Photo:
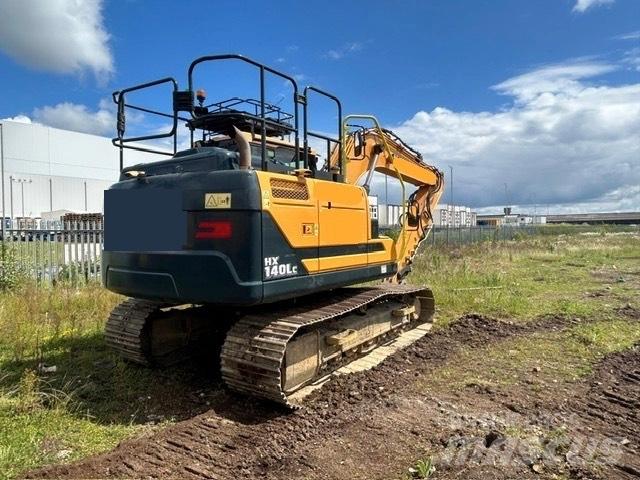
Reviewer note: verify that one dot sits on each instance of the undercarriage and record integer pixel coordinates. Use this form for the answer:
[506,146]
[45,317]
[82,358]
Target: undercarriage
[274,350]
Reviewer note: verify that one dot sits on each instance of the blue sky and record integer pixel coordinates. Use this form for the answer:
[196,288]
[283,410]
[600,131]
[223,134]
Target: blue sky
[454,77]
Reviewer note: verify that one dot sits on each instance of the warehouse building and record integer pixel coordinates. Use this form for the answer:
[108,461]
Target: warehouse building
[512,220]
[454,216]
[443,216]
[47,170]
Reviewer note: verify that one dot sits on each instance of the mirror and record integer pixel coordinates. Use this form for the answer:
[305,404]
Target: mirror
[359,143]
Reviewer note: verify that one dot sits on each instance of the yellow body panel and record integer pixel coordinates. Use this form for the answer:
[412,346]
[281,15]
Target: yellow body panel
[343,213]
[333,214]
[291,214]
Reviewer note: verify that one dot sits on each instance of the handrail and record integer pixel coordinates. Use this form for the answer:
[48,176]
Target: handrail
[119,141]
[263,68]
[338,141]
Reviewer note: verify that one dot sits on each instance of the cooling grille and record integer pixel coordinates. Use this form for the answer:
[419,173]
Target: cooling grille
[289,189]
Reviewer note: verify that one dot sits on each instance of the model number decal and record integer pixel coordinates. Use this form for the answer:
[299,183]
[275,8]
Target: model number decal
[274,269]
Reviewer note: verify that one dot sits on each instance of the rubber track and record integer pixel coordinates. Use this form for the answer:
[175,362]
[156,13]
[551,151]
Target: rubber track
[253,352]
[125,329]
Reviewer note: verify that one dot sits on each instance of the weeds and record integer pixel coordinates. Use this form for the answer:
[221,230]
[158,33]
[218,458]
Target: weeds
[556,356]
[12,271]
[32,316]
[422,469]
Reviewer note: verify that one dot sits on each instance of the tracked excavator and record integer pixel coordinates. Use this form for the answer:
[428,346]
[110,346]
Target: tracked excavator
[246,228]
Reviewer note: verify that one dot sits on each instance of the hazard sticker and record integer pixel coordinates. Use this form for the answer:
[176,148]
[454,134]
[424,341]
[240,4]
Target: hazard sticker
[266,201]
[217,200]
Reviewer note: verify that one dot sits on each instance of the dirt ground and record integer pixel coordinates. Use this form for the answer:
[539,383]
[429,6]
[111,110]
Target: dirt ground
[376,424]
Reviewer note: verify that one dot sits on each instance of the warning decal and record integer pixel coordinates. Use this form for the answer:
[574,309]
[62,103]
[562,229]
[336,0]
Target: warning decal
[217,200]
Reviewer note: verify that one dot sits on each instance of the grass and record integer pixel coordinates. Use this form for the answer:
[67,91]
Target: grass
[94,400]
[579,275]
[40,421]
[38,425]
[555,356]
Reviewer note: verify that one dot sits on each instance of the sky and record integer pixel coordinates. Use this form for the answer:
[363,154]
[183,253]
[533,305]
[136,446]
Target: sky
[530,103]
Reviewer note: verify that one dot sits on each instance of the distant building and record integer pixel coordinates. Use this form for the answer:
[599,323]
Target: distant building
[454,216]
[512,219]
[619,218]
[47,169]
[490,220]
[389,215]
[443,215]
[373,206]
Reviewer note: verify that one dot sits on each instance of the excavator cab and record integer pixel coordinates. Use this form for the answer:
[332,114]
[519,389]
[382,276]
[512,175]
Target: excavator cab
[243,216]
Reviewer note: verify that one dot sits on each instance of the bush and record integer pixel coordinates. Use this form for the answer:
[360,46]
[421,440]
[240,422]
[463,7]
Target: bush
[12,272]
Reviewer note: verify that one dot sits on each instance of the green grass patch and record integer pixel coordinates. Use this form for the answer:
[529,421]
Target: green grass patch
[40,424]
[40,420]
[93,399]
[554,356]
[578,275]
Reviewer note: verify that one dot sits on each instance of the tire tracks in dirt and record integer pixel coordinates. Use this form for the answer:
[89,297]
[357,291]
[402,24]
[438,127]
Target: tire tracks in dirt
[366,425]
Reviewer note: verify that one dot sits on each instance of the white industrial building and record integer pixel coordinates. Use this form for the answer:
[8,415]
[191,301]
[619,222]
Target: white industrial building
[454,216]
[46,170]
[443,216]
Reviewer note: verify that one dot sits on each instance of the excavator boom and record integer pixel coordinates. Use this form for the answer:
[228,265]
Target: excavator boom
[371,150]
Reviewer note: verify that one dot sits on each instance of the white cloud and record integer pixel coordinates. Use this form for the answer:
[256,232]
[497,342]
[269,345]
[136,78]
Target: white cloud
[561,141]
[18,119]
[344,50]
[61,36]
[552,78]
[72,116]
[622,199]
[632,58]
[582,6]
[628,36]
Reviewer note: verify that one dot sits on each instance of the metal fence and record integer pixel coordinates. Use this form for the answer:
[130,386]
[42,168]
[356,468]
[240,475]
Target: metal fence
[442,236]
[474,234]
[72,252]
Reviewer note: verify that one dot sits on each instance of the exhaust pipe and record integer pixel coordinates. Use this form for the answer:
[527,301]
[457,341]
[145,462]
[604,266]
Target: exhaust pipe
[244,149]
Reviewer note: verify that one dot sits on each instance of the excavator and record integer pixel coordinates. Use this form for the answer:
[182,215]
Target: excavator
[245,227]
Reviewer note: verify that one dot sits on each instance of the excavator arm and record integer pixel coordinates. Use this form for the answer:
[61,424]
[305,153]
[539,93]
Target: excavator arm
[370,150]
